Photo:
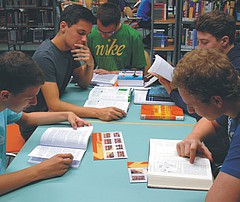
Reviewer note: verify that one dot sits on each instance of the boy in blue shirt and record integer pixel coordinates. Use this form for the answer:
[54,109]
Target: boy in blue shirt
[20,81]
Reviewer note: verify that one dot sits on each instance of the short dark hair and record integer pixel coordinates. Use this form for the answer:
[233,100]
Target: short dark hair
[204,73]
[108,14]
[218,24]
[73,13]
[18,72]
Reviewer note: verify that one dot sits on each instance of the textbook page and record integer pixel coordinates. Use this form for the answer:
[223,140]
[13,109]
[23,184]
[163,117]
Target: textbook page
[110,93]
[161,67]
[167,169]
[58,140]
[107,103]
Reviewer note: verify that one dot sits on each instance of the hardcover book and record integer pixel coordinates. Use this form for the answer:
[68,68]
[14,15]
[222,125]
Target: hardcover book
[58,140]
[130,78]
[168,170]
[161,112]
[158,93]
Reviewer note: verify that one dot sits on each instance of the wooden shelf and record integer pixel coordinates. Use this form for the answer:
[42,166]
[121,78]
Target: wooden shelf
[167,48]
[168,21]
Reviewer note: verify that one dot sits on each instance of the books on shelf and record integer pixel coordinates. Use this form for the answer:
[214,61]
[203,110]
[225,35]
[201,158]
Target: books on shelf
[104,79]
[59,140]
[161,112]
[130,78]
[108,145]
[168,170]
[161,67]
[137,171]
[100,97]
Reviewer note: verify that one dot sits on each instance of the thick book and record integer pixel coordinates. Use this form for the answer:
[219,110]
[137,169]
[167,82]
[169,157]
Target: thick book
[58,140]
[161,112]
[168,170]
[130,78]
[140,97]
[101,97]
[161,67]
[108,145]
[104,79]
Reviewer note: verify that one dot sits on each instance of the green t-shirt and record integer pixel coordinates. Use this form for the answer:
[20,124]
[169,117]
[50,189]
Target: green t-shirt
[123,50]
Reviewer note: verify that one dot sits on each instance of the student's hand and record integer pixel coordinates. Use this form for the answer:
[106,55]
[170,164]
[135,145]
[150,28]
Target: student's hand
[191,147]
[53,167]
[83,53]
[110,113]
[166,84]
[101,71]
[75,121]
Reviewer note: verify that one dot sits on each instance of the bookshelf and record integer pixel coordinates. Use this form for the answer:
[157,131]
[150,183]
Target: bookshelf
[26,23]
[192,9]
[164,29]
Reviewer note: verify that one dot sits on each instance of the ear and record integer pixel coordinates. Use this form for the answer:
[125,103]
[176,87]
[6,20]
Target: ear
[4,95]
[217,101]
[225,40]
[63,26]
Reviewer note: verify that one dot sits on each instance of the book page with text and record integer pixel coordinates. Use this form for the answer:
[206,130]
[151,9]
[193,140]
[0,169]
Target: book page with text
[161,67]
[163,159]
[110,93]
[67,137]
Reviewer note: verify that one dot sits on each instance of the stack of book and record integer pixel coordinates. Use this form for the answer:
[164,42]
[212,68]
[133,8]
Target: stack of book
[130,78]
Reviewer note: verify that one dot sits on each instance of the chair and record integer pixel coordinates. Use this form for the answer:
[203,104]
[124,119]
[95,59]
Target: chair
[14,140]
[133,20]
[147,61]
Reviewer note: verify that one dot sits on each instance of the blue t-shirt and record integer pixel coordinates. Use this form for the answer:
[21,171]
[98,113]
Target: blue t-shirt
[144,10]
[6,117]
[231,165]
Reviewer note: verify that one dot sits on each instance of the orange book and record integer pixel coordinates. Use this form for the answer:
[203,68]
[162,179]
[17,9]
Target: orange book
[161,112]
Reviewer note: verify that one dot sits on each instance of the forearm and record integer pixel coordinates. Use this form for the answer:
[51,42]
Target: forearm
[84,76]
[202,130]
[12,181]
[61,106]
[41,118]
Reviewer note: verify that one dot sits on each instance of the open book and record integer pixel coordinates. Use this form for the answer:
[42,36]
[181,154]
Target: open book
[168,170]
[100,97]
[161,67]
[104,79]
[59,140]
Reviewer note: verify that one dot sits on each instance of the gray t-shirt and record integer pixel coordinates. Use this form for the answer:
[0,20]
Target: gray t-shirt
[58,67]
